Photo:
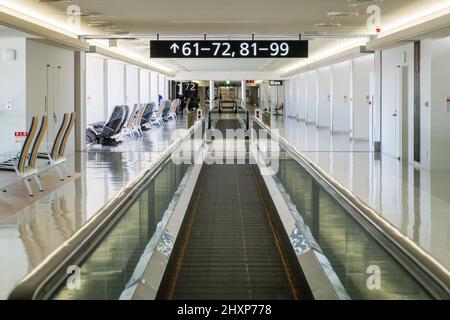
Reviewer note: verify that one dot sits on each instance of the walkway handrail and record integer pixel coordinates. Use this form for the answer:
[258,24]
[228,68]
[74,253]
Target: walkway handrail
[41,282]
[423,264]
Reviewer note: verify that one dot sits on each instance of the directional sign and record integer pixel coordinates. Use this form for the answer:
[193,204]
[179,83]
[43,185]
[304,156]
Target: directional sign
[190,88]
[229,49]
[275,83]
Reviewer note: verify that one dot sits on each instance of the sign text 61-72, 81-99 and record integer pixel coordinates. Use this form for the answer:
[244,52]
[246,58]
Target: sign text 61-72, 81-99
[229,49]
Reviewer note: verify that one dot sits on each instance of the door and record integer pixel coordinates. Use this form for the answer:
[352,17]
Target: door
[372,117]
[52,102]
[400,114]
[50,105]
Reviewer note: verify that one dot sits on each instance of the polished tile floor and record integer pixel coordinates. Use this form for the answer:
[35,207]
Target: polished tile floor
[28,236]
[416,201]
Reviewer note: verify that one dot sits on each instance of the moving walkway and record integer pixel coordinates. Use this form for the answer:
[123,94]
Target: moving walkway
[228,231]
[229,247]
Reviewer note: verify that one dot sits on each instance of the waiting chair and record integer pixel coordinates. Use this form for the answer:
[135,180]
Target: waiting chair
[106,133]
[146,117]
[157,117]
[138,122]
[56,156]
[173,112]
[129,130]
[25,170]
[126,114]
[166,110]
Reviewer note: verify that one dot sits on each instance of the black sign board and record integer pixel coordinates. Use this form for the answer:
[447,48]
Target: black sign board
[275,83]
[190,88]
[229,49]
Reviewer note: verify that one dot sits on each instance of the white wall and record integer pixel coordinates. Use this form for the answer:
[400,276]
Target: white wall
[312,97]
[115,84]
[360,107]
[95,102]
[298,95]
[161,86]
[154,87]
[274,97]
[280,94]
[392,58]
[425,98]
[302,105]
[12,87]
[132,85]
[435,90]
[144,82]
[288,98]
[324,97]
[294,94]
[340,97]
[166,87]
[60,86]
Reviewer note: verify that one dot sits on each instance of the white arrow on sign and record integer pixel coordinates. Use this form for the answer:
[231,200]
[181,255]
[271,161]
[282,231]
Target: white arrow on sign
[174,48]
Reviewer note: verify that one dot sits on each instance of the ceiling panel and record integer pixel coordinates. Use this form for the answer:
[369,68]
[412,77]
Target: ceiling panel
[232,17]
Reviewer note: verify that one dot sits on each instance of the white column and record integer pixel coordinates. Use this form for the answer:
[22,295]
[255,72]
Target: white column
[181,88]
[244,93]
[211,94]
[80,100]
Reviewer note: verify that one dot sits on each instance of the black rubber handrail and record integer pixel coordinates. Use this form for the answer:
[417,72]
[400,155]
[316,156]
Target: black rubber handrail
[421,265]
[47,276]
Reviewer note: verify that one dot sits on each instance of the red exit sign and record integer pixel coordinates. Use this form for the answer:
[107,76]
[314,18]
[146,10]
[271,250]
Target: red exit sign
[20,134]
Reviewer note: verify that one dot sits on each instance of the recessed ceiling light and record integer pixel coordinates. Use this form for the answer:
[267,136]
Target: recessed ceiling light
[343,14]
[355,3]
[55,0]
[328,25]
[75,11]
[362,1]
[90,14]
[118,32]
[100,24]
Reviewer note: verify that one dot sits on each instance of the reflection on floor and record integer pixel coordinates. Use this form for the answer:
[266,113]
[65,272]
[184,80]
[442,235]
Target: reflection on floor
[416,201]
[28,236]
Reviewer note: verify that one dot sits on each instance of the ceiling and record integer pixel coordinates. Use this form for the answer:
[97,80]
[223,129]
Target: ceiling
[181,18]
[6,32]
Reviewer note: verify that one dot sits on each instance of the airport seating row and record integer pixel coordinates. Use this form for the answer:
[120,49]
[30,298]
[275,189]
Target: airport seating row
[124,124]
[24,163]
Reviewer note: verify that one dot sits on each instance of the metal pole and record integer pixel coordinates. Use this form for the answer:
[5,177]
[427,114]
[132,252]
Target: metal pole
[211,94]
[181,88]
[247,122]
[209,120]
[244,93]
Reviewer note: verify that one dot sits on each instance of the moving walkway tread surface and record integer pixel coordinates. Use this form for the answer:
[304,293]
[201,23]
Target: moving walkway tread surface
[228,248]
[227,124]
[228,107]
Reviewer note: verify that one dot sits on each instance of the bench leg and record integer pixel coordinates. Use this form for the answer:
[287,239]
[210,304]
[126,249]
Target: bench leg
[27,184]
[61,177]
[38,181]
